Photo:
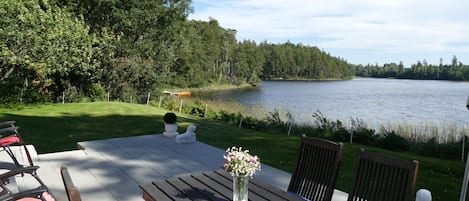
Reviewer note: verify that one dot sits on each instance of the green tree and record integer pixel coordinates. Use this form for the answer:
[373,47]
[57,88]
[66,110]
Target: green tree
[151,34]
[248,62]
[47,47]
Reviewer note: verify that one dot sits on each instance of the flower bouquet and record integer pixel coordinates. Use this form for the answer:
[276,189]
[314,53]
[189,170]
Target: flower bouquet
[241,165]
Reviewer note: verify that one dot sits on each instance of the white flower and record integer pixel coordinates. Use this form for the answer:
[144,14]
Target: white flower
[239,162]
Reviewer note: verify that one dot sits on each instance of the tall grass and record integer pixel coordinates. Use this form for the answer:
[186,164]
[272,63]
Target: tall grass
[444,141]
[444,133]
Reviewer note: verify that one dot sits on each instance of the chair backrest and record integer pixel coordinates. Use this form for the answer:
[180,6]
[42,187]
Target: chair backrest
[379,177]
[316,169]
[72,192]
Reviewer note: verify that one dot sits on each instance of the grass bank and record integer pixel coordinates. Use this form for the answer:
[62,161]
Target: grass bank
[70,123]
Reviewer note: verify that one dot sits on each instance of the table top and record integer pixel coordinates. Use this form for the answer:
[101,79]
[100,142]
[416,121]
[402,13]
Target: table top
[215,185]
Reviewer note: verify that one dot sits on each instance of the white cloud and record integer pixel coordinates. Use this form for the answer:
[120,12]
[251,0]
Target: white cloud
[392,27]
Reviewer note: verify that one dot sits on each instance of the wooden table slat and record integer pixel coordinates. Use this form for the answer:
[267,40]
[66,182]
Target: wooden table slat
[221,189]
[214,186]
[152,191]
[225,181]
[261,192]
[228,180]
[214,195]
[187,190]
[170,190]
[265,186]
[268,192]
[274,190]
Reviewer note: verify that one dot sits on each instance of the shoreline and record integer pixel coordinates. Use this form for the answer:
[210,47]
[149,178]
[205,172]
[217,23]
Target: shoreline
[214,88]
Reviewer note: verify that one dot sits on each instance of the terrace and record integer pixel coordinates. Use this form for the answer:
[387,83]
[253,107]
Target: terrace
[112,169]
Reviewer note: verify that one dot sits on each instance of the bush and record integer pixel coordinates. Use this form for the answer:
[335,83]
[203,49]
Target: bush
[197,109]
[170,104]
[72,94]
[273,118]
[341,134]
[10,90]
[170,118]
[96,92]
[333,130]
[448,150]
[392,141]
[365,136]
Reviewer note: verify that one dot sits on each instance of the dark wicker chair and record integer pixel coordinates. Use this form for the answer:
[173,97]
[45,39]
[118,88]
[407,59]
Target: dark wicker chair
[379,177]
[316,169]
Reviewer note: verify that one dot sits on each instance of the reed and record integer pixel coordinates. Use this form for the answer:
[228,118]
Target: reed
[442,140]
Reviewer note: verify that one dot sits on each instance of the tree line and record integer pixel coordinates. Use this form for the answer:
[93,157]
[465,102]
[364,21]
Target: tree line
[84,49]
[421,70]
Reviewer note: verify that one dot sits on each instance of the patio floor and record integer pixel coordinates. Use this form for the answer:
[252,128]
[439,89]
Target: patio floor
[111,169]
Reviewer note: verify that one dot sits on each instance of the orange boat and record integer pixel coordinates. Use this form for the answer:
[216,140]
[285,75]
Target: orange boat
[183,93]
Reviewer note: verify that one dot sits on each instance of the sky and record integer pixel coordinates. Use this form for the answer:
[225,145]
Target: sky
[359,31]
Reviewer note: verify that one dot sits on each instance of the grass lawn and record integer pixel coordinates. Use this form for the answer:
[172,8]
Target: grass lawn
[58,127]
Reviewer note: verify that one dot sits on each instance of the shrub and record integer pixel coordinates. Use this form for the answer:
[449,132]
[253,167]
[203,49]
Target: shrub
[170,118]
[96,92]
[334,130]
[273,118]
[170,104]
[197,109]
[392,141]
[448,150]
[341,134]
[10,89]
[366,137]
[72,94]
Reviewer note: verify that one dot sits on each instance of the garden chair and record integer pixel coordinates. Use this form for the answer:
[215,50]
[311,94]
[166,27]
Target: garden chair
[7,126]
[39,192]
[10,136]
[316,169]
[379,177]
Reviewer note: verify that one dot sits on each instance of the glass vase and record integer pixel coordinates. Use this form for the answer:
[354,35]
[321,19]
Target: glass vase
[240,188]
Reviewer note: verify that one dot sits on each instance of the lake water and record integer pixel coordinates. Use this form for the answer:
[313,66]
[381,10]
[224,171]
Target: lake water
[376,101]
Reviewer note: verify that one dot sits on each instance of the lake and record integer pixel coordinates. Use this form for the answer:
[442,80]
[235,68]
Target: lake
[376,101]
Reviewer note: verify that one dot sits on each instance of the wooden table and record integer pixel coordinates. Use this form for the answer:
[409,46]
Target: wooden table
[215,185]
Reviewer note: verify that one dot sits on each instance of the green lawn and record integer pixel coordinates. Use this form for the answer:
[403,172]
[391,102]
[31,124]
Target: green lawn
[57,127]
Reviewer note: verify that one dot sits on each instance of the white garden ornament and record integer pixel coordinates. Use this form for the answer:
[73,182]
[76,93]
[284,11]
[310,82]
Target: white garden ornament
[188,136]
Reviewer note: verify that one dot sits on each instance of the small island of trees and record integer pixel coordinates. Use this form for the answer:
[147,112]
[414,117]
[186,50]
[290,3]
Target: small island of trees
[421,70]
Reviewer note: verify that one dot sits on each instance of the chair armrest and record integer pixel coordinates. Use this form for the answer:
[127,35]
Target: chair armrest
[39,192]
[7,123]
[22,170]
[9,129]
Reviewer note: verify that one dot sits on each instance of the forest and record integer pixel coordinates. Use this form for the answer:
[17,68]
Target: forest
[86,49]
[456,71]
